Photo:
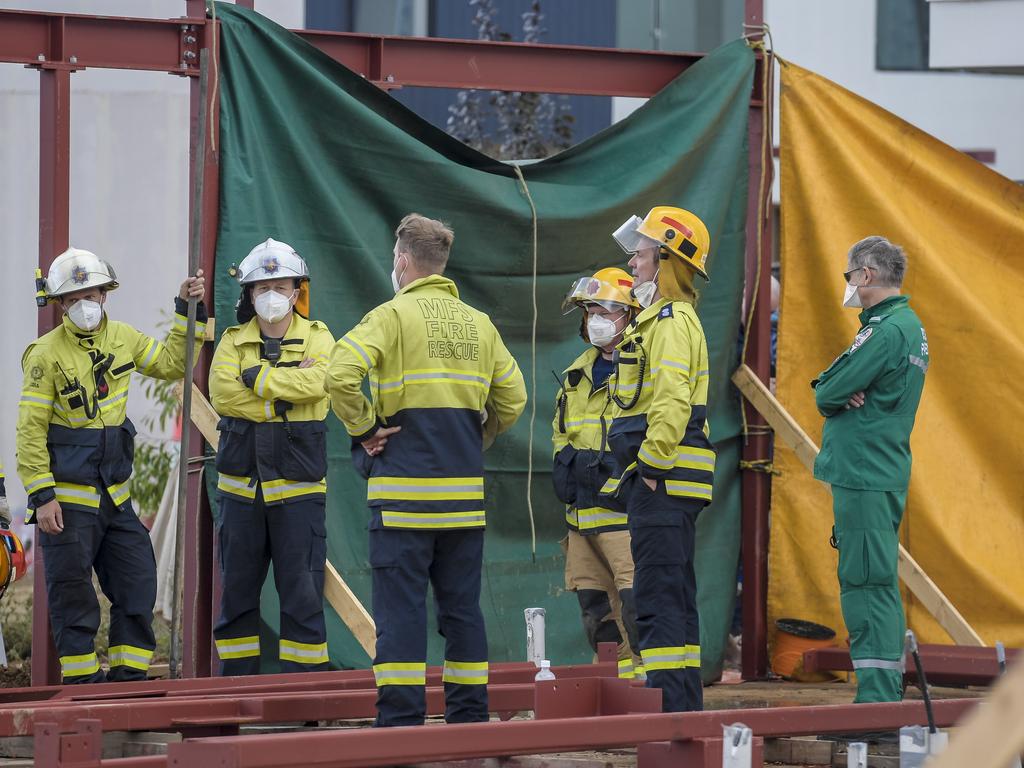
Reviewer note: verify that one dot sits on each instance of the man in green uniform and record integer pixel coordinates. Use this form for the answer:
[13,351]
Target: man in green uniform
[869,397]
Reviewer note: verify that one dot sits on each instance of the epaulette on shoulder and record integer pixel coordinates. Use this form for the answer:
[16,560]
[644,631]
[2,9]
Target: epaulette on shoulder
[666,311]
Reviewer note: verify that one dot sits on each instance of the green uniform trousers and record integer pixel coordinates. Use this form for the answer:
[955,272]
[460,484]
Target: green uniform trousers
[867,536]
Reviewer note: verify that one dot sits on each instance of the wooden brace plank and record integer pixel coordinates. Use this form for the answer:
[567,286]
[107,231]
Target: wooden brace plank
[350,610]
[912,574]
[337,592]
[990,736]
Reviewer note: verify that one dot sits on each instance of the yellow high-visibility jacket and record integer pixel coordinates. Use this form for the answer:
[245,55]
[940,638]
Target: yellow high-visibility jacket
[660,393]
[437,369]
[5,513]
[272,427]
[74,440]
[582,460]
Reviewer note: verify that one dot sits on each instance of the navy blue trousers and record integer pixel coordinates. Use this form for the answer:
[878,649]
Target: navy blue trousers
[250,536]
[116,544]
[403,563]
[663,531]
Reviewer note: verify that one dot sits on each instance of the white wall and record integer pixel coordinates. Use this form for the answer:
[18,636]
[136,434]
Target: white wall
[836,39]
[129,199]
[976,33]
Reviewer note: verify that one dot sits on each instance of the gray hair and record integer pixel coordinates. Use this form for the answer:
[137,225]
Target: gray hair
[888,259]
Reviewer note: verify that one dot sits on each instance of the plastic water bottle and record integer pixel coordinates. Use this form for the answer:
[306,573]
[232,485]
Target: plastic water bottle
[544,673]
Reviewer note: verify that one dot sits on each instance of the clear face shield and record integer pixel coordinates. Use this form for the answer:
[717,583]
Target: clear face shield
[630,239]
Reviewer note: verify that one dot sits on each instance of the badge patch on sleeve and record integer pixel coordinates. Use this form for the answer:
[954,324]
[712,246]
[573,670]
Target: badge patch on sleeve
[860,338]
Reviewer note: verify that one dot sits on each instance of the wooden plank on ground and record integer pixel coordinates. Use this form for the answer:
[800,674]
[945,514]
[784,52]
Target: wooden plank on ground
[912,574]
[337,592]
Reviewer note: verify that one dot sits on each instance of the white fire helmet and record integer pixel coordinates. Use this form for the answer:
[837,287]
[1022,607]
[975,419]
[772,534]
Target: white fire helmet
[271,260]
[76,270]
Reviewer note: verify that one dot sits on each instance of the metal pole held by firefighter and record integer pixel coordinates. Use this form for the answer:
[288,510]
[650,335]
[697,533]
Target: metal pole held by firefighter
[195,240]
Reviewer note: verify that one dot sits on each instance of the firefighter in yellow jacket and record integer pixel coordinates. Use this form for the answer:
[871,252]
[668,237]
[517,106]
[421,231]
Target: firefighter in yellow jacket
[5,510]
[443,384]
[75,451]
[598,562]
[659,436]
[266,382]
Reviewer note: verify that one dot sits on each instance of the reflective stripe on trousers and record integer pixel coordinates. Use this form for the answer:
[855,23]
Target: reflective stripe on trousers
[130,656]
[465,672]
[76,666]
[400,673]
[879,664]
[674,657]
[303,653]
[238,647]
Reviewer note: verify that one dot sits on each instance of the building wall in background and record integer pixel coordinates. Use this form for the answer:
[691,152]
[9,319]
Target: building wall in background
[964,109]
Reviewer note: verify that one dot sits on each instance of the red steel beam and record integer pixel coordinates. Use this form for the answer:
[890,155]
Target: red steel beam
[500,673]
[112,42]
[366,747]
[756,486]
[54,225]
[443,63]
[187,714]
[943,664]
[171,45]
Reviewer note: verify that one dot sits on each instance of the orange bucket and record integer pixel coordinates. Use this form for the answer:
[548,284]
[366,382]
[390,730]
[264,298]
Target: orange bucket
[792,638]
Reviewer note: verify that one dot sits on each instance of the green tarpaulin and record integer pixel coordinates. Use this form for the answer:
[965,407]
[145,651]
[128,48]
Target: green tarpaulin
[312,154]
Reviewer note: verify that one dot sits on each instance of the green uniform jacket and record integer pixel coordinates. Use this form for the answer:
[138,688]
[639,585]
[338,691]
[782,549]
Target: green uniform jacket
[868,448]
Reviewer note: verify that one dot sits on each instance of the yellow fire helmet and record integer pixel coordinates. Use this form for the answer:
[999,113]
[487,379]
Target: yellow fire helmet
[12,558]
[610,287]
[76,270]
[678,231]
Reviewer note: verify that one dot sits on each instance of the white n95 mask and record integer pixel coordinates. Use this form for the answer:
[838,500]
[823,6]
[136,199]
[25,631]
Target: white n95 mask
[644,292]
[272,306]
[86,314]
[601,330]
[851,298]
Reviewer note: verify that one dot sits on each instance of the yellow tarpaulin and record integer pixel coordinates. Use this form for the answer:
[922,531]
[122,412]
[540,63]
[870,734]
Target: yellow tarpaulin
[850,169]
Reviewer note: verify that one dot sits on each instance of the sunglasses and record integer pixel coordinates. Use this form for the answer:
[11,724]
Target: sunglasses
[846,275]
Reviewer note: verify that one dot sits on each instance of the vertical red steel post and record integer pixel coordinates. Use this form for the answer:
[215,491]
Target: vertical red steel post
[756,486]
[54,237]
[200,576]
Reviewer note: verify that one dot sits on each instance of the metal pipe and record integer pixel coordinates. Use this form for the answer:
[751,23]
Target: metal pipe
[922,681]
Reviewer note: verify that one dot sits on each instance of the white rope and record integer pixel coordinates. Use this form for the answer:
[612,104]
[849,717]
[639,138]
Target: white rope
[533,367]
